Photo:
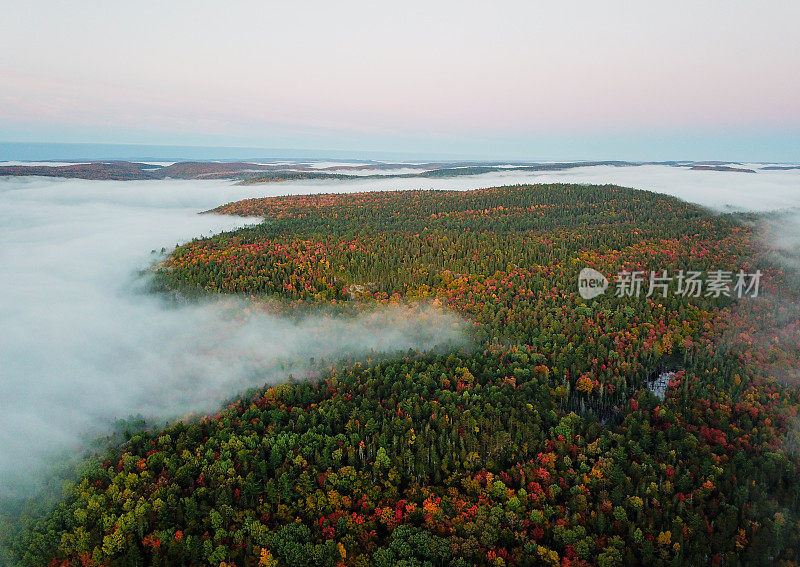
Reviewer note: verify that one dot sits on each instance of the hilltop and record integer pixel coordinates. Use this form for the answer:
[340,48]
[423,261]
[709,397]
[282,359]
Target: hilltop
[553,439]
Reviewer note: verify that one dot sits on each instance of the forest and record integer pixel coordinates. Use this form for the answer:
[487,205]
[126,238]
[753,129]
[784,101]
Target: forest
[542,442]
[248,173]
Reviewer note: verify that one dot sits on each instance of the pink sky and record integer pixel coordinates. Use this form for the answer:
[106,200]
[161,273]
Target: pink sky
[277,74]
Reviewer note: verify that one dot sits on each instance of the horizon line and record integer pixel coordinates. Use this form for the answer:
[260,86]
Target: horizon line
[32,151]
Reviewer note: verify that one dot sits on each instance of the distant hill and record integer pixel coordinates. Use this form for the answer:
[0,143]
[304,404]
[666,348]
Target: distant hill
[249,173]
[721,168]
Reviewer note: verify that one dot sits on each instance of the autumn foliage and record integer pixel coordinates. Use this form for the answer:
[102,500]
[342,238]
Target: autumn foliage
[539,445]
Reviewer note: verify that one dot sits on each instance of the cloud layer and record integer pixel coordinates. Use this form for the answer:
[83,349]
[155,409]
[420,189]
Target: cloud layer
[81,344]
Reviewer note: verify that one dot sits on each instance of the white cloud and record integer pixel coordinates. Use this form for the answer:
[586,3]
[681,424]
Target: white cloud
[81,344]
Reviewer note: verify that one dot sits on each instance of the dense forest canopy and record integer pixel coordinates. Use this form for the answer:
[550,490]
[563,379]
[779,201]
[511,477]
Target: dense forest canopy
[540,444]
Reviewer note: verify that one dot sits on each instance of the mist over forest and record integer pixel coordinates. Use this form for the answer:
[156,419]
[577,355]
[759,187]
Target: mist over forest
[86,341]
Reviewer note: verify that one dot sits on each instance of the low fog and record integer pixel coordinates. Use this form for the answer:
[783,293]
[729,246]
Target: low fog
[82,344]
[721,191]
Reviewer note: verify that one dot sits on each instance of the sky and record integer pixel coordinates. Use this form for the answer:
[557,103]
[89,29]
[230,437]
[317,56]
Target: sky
[514,80]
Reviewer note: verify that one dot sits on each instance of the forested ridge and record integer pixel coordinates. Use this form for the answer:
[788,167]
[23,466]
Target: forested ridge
[248,173]
[539,444]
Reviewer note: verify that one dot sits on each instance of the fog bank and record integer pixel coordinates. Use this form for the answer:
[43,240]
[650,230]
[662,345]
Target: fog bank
[82,344]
